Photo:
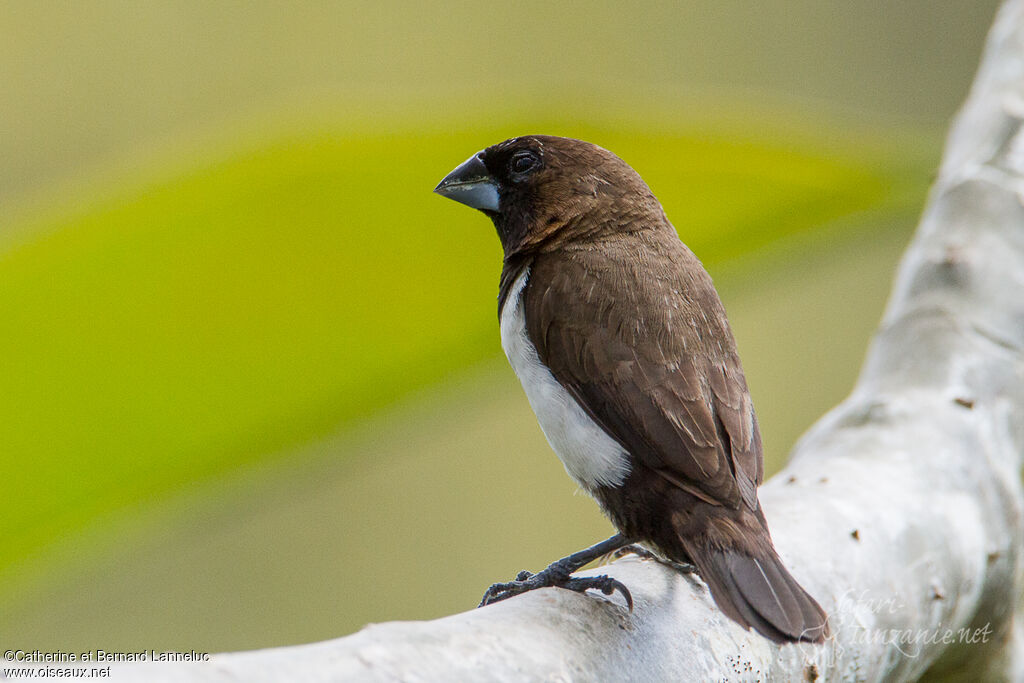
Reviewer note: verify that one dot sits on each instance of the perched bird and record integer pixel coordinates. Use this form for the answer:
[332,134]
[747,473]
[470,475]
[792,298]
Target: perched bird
[623,349]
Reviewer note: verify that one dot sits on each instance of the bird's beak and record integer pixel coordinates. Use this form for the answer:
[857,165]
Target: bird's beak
[471,184]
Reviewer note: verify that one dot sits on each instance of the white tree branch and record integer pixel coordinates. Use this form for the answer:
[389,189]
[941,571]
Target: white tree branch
[901,510]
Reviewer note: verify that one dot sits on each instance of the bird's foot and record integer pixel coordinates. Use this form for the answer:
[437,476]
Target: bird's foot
[645,554]
[557,574]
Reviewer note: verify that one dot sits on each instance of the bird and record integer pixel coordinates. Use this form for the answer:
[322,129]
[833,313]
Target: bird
[622,346]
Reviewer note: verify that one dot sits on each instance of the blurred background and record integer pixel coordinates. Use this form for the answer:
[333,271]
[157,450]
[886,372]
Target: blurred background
[252,391]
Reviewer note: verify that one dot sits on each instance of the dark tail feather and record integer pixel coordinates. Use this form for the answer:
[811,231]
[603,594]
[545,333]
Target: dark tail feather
[759,592]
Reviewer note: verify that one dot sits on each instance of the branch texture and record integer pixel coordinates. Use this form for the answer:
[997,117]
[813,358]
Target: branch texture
[901,510]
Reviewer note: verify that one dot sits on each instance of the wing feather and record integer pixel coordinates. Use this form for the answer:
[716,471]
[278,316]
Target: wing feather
[644,347]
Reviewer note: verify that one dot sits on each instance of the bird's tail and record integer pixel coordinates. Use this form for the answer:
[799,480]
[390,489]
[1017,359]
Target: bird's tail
[756,590]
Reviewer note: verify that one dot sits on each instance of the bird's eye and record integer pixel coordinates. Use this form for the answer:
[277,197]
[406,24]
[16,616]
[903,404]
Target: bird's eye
[523,163]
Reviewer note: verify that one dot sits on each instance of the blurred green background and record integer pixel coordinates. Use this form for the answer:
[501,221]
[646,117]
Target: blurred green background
[252,391]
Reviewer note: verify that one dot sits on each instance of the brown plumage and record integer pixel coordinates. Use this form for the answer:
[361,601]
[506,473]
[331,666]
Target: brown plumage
[628,322]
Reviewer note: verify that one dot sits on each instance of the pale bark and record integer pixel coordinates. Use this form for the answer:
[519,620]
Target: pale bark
[901,510]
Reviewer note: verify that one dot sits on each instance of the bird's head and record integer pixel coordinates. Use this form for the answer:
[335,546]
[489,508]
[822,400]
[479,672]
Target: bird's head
[542,190]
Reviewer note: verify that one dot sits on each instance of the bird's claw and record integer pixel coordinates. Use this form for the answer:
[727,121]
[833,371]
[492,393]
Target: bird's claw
[603,583]
[503,591]
[645,554]
[557,577]
[634,549]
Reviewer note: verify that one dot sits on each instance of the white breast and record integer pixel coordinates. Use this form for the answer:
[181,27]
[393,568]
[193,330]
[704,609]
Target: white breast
[590,456]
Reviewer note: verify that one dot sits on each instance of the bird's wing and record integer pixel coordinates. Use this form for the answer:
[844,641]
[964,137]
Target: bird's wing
[667,384]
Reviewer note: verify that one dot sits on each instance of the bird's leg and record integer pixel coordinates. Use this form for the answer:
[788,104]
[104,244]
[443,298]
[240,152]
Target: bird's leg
[559,573]
[645,554]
